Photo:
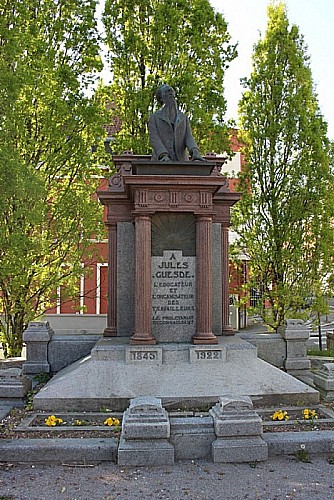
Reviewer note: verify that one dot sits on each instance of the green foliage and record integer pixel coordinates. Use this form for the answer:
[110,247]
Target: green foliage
[303,455]
[180,42]
[285,215]
[317,352]
[42,377]
[48,58]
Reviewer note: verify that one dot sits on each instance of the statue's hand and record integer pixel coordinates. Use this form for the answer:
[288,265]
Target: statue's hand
[195,155]
[164,157]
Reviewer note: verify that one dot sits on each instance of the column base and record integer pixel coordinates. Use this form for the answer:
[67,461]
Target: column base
[204,338]
[142,339]
[110,331]
[227,331]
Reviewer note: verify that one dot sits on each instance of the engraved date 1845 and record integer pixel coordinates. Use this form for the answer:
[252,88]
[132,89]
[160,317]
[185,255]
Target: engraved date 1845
[143,355]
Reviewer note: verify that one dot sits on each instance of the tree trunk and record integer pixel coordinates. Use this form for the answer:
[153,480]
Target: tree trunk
[12,336]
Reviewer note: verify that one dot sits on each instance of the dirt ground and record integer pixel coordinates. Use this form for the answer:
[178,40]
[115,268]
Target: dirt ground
[277,479]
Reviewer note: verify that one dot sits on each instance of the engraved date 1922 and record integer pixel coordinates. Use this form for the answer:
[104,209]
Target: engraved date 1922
[208,354]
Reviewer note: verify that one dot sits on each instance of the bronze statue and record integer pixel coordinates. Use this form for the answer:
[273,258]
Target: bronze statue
[170,131]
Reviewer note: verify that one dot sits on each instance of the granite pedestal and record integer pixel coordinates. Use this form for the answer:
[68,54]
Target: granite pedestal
[181,375]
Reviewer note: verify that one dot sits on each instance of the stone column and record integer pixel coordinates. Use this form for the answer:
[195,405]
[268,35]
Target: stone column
[111,330]
[204,333]
[143,276]
[330,342]
[14,383]
[37,337]
[145,434]
[296,334]
[226,326]
[324,381]
[239,431]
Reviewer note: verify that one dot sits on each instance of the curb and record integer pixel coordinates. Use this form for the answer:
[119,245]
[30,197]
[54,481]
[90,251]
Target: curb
[82,451]
[289,443]
[86,451]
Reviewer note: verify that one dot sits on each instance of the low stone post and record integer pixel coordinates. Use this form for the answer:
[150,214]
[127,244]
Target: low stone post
[145,434]
[330,342]
[324,381]
[36,337]
[13,383]
[239,431]
[297,364]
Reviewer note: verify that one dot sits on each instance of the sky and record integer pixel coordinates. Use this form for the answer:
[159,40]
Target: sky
[247,21]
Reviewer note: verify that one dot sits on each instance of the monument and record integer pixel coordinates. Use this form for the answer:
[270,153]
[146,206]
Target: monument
[168,334]
[181,214]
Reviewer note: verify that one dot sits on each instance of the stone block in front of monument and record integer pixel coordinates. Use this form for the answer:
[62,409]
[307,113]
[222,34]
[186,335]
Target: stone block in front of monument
[173,296]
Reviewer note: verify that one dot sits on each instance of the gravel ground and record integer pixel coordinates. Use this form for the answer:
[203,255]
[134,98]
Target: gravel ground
[276,479]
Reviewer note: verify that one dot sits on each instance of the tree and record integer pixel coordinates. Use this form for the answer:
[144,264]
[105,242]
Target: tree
[180,42]
[286,210]
[48,56]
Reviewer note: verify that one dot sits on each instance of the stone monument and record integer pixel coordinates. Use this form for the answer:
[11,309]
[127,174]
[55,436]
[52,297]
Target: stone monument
[168,334]
[161,224]
[161,268]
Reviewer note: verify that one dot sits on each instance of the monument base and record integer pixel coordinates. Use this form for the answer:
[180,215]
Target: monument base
[183,375]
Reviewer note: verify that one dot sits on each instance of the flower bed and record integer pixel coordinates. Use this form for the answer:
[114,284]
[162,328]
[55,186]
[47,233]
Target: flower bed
[30,425]
[27,424]
[73,420]
[296,418]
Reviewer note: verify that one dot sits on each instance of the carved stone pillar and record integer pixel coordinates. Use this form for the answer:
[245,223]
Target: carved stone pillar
[204,333]
[111,330]
[226,326]
[143,296]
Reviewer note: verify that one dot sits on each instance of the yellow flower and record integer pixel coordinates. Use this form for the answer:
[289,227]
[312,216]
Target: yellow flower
[309,414]
[280,415]
[49,422]
[109,421]
[52,421]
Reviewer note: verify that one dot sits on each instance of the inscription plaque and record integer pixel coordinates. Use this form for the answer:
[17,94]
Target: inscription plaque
[143,355]
[206,354]
[173,296]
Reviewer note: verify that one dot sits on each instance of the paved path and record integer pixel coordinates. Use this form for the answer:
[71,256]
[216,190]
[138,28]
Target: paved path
[278,479]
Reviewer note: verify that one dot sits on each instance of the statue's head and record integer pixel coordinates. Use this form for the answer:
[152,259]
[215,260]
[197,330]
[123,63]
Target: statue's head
[163,93]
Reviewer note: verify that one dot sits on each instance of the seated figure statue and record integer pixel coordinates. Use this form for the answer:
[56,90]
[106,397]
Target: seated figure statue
[170,131]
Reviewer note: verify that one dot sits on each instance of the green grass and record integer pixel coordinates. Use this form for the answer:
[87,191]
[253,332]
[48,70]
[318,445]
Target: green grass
[317,352]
